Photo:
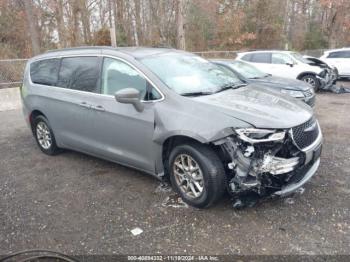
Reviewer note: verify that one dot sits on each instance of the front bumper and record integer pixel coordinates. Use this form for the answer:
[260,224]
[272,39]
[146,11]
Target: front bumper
[274,168]
[289,189]
[328,80]
[311,160]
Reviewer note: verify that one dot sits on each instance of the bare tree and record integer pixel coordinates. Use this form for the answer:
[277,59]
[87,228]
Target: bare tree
[132,12]
[85,20]
[32,27]
[29,26]
[180,25]
[61,30]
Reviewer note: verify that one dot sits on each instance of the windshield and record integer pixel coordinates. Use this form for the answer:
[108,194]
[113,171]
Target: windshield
[190,74]
[246,70]
[300,58]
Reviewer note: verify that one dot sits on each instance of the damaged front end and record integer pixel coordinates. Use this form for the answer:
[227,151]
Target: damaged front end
[267,161]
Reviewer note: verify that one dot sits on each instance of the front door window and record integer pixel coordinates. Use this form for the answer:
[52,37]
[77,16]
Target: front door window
[117,75]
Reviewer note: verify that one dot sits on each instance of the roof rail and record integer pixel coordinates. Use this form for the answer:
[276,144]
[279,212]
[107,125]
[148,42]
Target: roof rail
[162,46]
[275,50]
[81,48]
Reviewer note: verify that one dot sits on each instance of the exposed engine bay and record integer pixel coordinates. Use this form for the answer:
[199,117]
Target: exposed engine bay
[262,161]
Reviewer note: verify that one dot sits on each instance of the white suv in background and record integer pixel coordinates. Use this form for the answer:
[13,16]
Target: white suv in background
[339,58]
[286,64]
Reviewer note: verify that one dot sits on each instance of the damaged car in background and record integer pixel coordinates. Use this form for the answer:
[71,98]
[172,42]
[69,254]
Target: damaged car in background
[332,71]
[287,64]
[174,115]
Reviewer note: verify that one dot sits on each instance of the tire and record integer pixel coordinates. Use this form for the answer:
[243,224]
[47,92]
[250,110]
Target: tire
[311,80]
[42,132]
[209,166]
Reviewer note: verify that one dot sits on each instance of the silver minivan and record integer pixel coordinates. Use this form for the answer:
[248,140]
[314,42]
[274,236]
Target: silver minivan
[174,115]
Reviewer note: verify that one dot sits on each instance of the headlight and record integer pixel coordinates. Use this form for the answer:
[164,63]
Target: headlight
[254,135]
[293,93]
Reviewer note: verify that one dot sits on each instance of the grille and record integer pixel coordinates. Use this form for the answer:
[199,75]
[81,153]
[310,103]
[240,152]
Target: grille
[302,136]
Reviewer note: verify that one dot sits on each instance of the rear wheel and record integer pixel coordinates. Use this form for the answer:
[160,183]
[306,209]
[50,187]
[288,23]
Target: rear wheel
[311,80]
[197,174]
[44,136]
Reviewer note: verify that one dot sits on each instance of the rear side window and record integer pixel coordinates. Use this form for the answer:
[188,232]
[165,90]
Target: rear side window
[80,73]
[45,72]
[261,58]
[339,54]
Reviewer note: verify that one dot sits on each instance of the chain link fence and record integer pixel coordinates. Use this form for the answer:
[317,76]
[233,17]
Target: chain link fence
[233,54]
[314,52]
[218,54]
[11,72]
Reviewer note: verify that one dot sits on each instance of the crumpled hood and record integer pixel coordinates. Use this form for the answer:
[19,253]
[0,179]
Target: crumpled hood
[259,107]
[281,83]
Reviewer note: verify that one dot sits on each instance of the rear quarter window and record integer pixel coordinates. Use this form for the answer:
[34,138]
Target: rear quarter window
[80,73]
[45,72]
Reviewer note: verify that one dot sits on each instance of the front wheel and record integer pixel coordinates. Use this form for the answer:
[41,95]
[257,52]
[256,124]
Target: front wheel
[311,80]
[197,174]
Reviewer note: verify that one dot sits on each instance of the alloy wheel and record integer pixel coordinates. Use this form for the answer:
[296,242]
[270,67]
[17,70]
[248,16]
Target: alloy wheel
[43,135]
[310,81]
[188,176]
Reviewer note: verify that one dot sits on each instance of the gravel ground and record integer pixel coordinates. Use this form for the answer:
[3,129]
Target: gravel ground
[78,204]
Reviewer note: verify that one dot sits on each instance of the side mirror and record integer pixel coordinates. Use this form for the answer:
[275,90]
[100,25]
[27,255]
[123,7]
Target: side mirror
[130,96]
[290,64]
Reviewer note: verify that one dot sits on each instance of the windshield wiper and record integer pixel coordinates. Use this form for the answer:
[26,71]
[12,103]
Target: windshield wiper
[230,86]
[256,77]
[225,87]
[196,93]
[259,77]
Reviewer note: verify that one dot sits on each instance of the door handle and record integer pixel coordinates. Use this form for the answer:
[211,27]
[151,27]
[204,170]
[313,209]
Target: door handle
[98,108]
[84,104]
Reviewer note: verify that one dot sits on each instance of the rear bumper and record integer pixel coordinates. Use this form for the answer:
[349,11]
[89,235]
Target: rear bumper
[26,114]
[290,188]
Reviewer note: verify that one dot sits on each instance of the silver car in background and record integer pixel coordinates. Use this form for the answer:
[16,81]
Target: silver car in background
[174,115]
[250,74]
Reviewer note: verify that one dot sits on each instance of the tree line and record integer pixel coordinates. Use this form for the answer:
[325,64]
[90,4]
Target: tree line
[28,27]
